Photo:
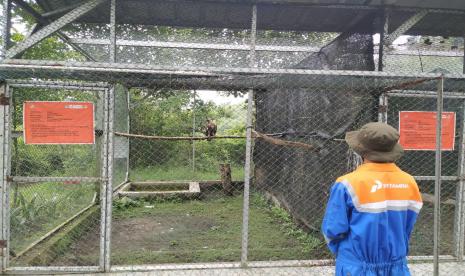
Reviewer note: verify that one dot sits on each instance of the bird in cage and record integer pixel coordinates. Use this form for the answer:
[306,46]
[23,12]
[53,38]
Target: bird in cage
[210,129]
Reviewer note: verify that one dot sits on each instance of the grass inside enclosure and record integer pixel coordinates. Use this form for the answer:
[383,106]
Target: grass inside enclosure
[38,208]
[161,173]
[207,230]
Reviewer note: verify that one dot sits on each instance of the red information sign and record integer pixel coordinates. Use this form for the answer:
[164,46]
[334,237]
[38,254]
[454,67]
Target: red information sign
[58,123]
[418,130]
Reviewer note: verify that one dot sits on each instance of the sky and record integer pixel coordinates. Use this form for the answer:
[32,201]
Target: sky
[214,96]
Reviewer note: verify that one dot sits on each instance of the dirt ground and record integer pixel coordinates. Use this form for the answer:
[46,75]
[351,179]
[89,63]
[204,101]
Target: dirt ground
[183,232]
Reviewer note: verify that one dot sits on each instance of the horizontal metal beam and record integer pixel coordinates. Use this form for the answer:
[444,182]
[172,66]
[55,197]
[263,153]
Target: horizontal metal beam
[185,45]
[424,94]
[65,87]
[246,47]
[37,179]
[58,84]
[193,70]
[52,28]
[432,178]
[27,270]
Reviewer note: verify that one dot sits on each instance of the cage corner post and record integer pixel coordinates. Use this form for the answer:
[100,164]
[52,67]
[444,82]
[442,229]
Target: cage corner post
[128,128]
[5,132]
[107,180]
[248,147]
[437,183]
[459,220]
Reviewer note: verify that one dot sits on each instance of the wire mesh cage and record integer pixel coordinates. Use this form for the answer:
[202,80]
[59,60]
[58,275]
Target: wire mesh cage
[219,130]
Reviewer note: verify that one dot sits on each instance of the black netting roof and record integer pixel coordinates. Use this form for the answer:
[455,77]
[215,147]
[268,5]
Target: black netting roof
[315,15]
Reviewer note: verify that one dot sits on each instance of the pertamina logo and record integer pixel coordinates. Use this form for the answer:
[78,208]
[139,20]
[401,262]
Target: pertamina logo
[380,185]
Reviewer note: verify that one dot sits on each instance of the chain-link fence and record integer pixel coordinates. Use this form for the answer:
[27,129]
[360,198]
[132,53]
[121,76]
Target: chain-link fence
[178,195]
[217,142]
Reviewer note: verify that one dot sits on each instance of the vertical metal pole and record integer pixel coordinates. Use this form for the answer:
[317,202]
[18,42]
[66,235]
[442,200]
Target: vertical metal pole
[128,166]
[3,174]
[113,31]
[383,106]
[5,133]
[459,228]
[109,182]
[193,134]
[248,147]
[6,28]
[459,221]
[463,60]
[437,184]
[382,38]
[103,183]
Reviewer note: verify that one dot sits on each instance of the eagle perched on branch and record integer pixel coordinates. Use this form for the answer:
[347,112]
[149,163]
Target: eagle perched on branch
[210,129]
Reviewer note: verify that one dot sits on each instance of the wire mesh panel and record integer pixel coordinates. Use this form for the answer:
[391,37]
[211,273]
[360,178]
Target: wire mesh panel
[420,162]
[55,188]
[182,202]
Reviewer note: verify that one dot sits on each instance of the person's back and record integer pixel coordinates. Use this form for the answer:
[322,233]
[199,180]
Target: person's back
[369,218]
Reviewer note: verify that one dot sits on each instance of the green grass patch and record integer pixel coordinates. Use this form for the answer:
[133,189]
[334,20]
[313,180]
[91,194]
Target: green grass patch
[207,230]
[161,173]
[38,208]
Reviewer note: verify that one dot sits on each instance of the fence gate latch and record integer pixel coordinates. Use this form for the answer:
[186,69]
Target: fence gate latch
[4,100]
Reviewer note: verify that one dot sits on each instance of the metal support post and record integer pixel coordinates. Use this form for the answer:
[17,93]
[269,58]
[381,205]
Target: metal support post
[437,184]
[128,165]
[52,28]
[109,183]
[463,60]
[113,31]
[459,221]
[248,147]
[6,28]
[194,92]
[5,133]
[382,38]
[382,108]
[104,183]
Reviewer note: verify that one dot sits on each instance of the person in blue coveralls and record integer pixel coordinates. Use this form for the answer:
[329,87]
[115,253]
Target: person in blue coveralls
[371,212]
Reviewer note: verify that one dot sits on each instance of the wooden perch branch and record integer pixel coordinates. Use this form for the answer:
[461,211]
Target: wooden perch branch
[255,135]
[280,142]
[177,138]
[408,84]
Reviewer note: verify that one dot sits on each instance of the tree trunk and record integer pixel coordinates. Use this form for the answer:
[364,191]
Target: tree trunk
[225,170]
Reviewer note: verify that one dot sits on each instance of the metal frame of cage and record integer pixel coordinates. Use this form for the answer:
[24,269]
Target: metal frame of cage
[107,192]
[459,227]
[106,169]
[112,67]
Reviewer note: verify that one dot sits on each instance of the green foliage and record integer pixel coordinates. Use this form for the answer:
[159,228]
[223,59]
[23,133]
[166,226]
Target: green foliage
[50,48]
[287,224]
[125,203]
[172,114]
[292,230]
[29,213]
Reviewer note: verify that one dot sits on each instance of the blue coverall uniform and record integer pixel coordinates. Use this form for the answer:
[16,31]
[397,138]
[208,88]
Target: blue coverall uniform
[369,218]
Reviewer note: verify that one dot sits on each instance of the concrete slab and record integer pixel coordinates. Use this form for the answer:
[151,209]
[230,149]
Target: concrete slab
[449,269]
